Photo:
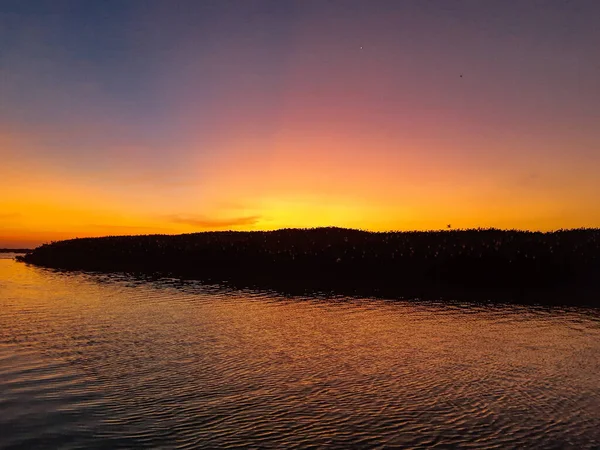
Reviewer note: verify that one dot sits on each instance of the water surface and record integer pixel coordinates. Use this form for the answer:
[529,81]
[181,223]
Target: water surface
[100,361]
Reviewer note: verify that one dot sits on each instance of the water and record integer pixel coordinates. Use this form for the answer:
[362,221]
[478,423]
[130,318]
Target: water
[98,361]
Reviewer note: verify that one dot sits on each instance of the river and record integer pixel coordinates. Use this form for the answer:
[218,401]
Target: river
[112,361]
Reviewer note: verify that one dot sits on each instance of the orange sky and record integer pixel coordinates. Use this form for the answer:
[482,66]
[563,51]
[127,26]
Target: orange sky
[270,117]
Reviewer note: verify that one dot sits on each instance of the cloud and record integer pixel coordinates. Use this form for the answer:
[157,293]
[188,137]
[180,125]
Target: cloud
[205,223]
[529,179]
[127,228]
[8,216]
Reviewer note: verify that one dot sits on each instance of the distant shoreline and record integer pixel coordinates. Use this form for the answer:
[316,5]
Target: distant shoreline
[481,263]
[15,250]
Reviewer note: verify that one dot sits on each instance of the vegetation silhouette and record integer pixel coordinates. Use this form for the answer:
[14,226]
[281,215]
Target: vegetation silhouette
[511,264]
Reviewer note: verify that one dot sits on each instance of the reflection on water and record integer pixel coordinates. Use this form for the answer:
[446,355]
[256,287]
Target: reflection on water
[100,361]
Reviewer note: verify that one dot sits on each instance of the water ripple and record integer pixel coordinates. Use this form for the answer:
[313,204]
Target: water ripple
[101,361]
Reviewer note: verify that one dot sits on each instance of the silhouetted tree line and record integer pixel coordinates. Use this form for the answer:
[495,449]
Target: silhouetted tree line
[330,258]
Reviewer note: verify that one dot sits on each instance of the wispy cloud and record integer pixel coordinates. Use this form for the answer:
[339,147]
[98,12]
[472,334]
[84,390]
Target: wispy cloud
[206,223]
[127,229]
[7,216]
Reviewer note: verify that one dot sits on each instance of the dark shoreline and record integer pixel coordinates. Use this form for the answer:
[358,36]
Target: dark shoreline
[561,267]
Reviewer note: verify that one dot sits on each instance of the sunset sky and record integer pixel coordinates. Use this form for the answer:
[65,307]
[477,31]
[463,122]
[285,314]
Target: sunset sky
[137,117]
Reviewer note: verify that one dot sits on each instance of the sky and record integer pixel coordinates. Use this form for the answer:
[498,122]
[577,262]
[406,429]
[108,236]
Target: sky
[138,117]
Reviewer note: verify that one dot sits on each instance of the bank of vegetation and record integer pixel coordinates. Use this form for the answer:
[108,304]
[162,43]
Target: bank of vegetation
[344,260]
